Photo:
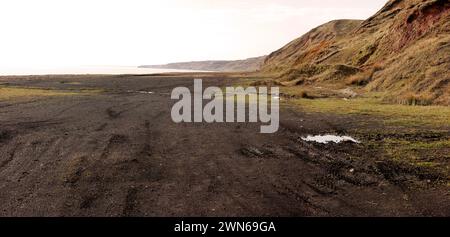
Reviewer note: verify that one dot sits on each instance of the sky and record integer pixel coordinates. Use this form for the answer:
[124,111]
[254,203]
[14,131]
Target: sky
[135,32]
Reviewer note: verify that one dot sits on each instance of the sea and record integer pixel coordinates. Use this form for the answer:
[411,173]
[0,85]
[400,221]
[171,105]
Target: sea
[84,70]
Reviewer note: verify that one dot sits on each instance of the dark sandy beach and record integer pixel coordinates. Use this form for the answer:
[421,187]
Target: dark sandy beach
[107,150]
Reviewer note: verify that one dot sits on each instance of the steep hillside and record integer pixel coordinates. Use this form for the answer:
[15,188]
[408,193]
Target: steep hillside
[247,65]
[403,49]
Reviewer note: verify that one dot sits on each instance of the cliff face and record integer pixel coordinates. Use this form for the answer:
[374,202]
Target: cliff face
[246,65]
[404,49]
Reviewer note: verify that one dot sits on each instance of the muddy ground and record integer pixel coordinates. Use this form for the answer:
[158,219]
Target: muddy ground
[116,152]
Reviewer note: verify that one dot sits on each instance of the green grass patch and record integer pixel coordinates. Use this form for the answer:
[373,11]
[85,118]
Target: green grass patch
[8,93]
[391,114]
[431,155]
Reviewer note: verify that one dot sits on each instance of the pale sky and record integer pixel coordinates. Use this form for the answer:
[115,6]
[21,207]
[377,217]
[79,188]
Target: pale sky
[135,32]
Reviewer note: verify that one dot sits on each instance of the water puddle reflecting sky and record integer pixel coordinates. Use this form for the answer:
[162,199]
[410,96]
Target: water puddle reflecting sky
[325,139]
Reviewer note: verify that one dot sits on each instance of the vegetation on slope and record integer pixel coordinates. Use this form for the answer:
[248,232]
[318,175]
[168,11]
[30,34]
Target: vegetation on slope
[404,49]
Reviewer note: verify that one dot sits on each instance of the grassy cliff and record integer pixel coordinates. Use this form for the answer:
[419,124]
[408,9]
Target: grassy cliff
[404,49]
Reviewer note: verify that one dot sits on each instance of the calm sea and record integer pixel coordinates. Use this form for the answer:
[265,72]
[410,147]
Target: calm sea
[113,70]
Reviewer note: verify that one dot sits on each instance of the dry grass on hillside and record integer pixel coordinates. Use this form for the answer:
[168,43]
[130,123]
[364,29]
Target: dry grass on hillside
[403,50]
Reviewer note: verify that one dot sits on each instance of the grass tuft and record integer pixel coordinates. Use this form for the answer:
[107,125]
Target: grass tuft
[8,93]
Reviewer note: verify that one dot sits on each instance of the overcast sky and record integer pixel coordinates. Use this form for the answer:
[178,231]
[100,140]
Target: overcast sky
[135,32]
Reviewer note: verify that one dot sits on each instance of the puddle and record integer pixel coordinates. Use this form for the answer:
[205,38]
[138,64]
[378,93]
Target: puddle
[276,98]
[141,92]
[144,92]
[325,139]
